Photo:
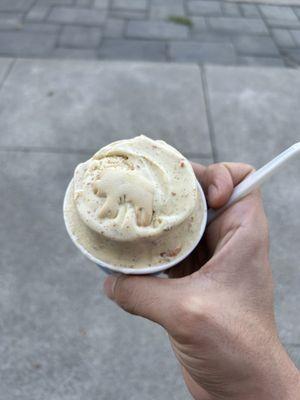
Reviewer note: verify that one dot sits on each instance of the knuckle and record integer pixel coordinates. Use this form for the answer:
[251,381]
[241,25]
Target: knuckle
[129,296]
[214,169]
[259,237]
[260,231]
[245,166]
[211,167]
[217,174]
[250,167]
[189,315]
[124,294]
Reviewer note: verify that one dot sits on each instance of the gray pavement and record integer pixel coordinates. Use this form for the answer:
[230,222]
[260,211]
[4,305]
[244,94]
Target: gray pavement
[201,31]
[74,88]
[60,337]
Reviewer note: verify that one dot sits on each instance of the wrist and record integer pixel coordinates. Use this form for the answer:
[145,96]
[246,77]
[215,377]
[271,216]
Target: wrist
[279,380]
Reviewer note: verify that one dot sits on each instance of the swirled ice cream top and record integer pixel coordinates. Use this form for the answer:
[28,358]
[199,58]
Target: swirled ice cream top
[134,188]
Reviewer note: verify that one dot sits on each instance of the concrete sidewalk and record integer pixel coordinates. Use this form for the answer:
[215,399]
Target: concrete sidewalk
[60,338]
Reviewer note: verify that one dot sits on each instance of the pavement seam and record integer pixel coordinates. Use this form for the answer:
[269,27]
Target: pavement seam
[103,28]
[212,136]
[10,67]
[186,14]
[54,150]
[25,13]
[109,15]
[167,51]
[59,35]
[48,14]
[49,150]
[147,11]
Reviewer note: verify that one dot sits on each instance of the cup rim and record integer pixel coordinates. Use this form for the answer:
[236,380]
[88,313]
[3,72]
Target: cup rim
[138,271]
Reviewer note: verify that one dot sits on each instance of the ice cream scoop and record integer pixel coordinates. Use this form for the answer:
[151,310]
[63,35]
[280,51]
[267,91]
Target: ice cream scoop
[135,206]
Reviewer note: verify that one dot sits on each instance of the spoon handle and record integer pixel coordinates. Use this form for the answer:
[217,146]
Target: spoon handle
[255,179]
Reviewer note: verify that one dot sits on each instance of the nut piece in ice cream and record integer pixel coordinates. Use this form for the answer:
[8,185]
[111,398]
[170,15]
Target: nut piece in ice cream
[134,204]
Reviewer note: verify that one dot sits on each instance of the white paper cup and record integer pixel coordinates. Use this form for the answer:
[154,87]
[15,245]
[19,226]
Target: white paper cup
[110,269]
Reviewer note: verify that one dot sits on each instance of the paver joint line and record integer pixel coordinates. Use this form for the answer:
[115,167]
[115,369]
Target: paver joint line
[202,70]
[88,152]
[7,72]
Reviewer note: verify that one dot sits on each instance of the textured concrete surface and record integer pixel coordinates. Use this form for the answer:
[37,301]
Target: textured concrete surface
[79,29]
[61,339]
[254,118]
[74,105]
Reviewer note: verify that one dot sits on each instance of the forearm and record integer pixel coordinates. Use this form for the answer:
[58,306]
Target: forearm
[280,380]
[288,384]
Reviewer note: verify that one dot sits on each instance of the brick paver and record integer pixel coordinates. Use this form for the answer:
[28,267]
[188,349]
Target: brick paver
[163,11]
[283,37]
[249,10]
[156,30]
[213,31]
[231,9]
[203,52]
[278,12]
[255,45]
[80,16]
[150,50]
[16,5]
[24,44]
[114,28]
[130,4]
[296,36]
[80,37]
[38,13]
[253,26]
[207,7]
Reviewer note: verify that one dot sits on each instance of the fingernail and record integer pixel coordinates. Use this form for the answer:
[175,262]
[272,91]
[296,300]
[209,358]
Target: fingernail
[109,286]
[212,192]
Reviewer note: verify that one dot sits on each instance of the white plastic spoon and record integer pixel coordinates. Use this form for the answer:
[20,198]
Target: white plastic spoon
[255,179]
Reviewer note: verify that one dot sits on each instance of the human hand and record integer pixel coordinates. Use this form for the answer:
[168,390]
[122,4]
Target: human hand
[218,308]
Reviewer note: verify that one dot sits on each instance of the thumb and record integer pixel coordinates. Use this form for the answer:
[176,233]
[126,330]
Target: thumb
[146,296]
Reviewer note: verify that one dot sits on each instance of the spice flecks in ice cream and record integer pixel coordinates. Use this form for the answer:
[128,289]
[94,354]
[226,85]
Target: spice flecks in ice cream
[131,204]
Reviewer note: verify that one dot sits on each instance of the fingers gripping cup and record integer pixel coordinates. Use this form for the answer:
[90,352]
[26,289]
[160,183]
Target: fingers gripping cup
[135,207]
